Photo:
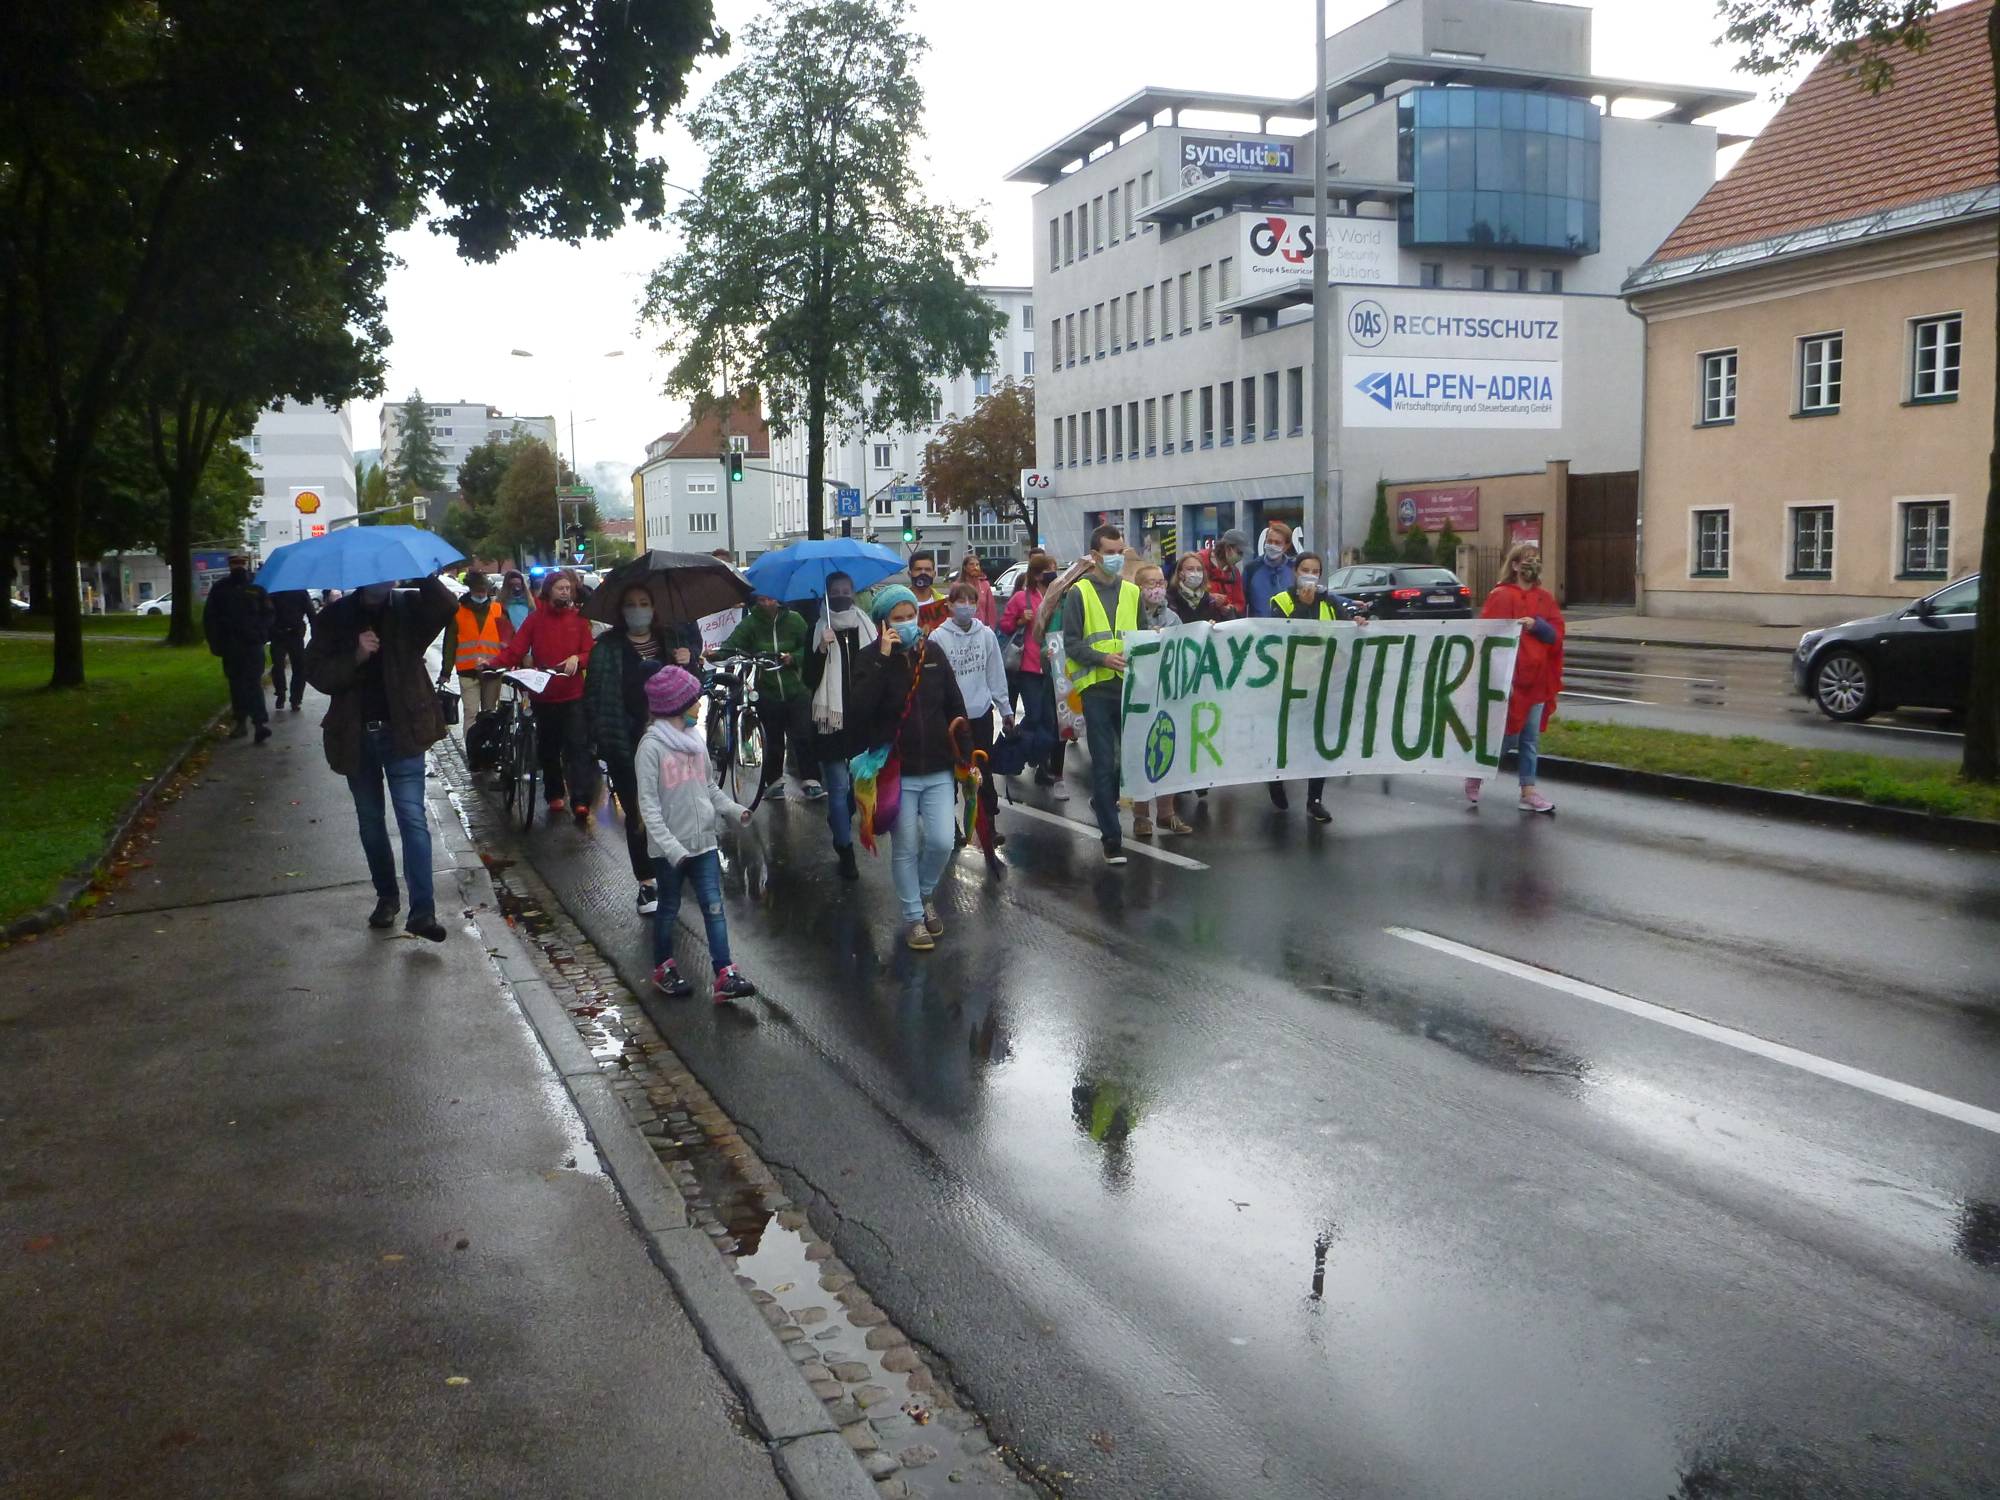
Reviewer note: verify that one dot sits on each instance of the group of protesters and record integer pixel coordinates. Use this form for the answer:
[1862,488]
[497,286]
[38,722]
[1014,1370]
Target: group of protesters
[900,709]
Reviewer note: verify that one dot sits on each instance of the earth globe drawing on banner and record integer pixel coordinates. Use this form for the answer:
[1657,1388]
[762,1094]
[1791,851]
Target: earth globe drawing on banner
[1160,747]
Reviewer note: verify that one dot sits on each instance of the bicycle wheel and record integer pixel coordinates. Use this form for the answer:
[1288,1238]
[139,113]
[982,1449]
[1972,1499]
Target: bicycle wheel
[747,769]
[509,787]
[523,768]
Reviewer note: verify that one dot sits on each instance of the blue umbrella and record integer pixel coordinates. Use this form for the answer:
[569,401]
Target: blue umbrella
[800,571]
[356,556]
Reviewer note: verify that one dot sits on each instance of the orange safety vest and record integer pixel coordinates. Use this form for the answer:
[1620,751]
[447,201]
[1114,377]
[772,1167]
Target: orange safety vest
[477,643]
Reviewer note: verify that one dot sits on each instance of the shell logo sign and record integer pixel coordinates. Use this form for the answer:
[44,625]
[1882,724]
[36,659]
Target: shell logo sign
[306,501]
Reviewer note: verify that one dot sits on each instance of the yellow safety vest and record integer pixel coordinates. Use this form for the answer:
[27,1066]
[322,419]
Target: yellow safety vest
[1284,604]
[476,642]
[1098,634]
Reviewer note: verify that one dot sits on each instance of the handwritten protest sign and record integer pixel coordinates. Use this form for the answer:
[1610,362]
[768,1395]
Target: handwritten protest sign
[1265,700]
[715,628]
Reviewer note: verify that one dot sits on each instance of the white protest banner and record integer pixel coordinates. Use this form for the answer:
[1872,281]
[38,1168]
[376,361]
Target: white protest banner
[1266,700]
[715,628]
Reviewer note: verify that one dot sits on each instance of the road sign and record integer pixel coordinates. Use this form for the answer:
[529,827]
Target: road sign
[306,500]
[1035,482]
[576,492]
[846,502]
[909,494]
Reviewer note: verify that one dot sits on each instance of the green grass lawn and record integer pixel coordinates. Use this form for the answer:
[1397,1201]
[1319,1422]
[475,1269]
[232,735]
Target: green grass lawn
[73,760]
[152,626]
[1890,781]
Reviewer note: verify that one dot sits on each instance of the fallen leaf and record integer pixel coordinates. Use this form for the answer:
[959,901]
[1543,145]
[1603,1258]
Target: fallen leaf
[457,1380]
[1103,1442]
[40,1243]
[392,1256]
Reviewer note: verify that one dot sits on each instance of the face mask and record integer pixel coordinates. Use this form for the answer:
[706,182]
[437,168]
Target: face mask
[1273,553]
[558,601]
[638,617]
[908,632]
[1531,571]
[477,598]
[922,581]
[1192,583]
[375,595]
[839,603]
[691,717]
[1155,596]
[1308,583]
[1114,564]
[965,614]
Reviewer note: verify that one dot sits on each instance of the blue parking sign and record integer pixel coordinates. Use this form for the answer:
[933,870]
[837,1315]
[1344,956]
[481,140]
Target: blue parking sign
[846,502]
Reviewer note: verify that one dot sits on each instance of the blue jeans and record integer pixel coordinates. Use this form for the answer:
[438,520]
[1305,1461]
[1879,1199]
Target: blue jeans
[1529,743]
[405,775]
[839,784]
[704,873]
[1038,718]
[1103,707]
[920,843]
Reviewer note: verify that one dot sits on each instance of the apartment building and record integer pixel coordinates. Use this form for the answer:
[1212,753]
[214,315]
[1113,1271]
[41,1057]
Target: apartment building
[1489,196]
[1819,351]
[299,446]
[682,499]
[459,427]
[886,467]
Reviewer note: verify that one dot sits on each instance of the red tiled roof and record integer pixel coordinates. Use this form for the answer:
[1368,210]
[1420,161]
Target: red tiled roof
[1834,151]
[703,436]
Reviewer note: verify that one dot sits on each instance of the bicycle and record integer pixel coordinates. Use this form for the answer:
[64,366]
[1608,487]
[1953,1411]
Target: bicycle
[735,733]
[519,763]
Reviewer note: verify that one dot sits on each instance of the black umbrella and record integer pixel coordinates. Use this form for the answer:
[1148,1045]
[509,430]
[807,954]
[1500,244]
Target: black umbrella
[684,585]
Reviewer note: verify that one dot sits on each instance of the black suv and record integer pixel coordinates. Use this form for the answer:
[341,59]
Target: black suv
[1919,656]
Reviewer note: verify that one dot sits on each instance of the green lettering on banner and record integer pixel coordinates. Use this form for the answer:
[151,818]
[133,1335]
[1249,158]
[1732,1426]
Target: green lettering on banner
[1488,694]
[1380,646]
[1267,658]
[1346,703]
[1138,654]
[1449,680]
[1289,695]
[1202,737]
[1414,749]
[1211,665]
[1239,653]
[1187,665]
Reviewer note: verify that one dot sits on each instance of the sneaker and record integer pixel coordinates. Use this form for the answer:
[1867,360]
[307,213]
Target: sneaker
[649,899]
[920,938]
[1114,857]
[263,733]
[1472,786]
[1278,798]
[424,924]
[1534,802]
[1173,824]
[849,870]
[815,792]
[1062,791]
[581,812]
[1142,826]
[384,915]
[730,985]
[557,807]
[775,792]
[669,981]
[1316,810]
[933,923]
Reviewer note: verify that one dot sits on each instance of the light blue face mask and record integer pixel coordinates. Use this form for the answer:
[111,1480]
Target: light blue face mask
[1113,564]
[909,631]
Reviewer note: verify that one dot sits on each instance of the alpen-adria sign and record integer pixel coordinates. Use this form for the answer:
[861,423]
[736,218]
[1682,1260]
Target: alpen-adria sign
[1436,358]
[1205,156]
[1275,248]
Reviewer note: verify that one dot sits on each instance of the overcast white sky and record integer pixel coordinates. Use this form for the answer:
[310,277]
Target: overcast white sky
[1001,82]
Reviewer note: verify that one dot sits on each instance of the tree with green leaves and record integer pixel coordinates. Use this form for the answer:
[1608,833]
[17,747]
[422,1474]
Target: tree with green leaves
[524,510]
[974,464]
[141,138]
[419,466]
[1445,550]
[813,264]
[1869,38]
[1417,546]
[1379,546]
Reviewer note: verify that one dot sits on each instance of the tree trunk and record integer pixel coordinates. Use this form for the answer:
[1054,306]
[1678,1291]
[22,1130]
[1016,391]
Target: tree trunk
[815,456]
[10,548]
[181,629]
[1982,718]
[65,506]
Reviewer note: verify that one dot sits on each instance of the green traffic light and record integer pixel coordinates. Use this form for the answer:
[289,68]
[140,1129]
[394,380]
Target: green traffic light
[735,468]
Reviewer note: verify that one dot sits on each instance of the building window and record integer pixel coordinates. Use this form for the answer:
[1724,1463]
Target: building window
[1117,219]
[1086,439]
[1132,429]
[1493,167]
[1027,317]
[1934,363]
[1131,204]
[1167,308]
[1097,224]
[1116,342]
[1072,440]
[1205,292]
[1819,373]
[1430,273]
[1187,302]
[885,504]
[1055,244]
[1028,362]
[1208,416]
[1152,426]
[1295,398]
[702,520]
[1552,281]
[1118,432]
[701,486]
[1167,423]
[1069,238]
[1228,413]
[1271,405]
[253,444]
[1187,421]
[1711,544]
[1812,541]
[1249,408]
[1225,280]
[1145,190]
[982,385]
[1058,449]
[1131,320]
[1926,539]
[1146,311]
[1103,431]
[1097,322]
[881,455]
[1482,279]
[1718,387]
[1069,339]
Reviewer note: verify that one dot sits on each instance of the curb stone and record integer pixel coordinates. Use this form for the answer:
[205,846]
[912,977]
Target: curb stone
[1796,807]
[811,1459]
[878,1400]
[79,882]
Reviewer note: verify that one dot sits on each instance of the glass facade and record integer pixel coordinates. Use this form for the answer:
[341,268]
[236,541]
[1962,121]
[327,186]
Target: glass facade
[1499,167]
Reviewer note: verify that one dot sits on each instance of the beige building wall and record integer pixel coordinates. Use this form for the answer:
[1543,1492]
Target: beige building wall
[1879,452]
[1542,493]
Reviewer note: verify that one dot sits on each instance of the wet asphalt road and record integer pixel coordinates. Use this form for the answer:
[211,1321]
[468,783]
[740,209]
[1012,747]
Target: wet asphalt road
[1206,1183]
[1706,691]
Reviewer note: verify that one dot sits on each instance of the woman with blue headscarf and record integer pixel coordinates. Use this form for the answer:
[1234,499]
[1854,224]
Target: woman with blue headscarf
[907,695]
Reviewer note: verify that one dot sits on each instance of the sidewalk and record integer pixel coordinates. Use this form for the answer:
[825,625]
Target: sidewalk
[1696,635]
[292,1207]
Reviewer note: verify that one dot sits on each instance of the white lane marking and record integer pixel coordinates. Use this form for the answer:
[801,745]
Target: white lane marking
[1950,734]
[1713,682]
[1606,698]
[1132,846]
[1743,1041]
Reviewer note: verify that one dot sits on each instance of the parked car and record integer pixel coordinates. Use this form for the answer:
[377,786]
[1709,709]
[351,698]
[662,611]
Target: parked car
[1919,656]
[1401,591]
[1006,583]
[163,605]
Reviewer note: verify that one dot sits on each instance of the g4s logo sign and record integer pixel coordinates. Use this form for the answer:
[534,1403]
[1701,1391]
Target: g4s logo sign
[1290,241]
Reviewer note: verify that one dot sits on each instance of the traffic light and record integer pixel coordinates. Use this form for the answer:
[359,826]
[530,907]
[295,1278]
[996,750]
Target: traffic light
[909,527]
[579,551]
[735,468]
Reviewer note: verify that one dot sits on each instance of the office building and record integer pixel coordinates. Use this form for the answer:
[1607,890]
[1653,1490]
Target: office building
[1490,195]
[886,467]
[299,446]
[1819,351]
[682,498]
[459,427]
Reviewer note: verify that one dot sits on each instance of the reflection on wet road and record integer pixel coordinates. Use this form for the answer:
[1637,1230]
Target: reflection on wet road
[1204,1183]
[1708,691]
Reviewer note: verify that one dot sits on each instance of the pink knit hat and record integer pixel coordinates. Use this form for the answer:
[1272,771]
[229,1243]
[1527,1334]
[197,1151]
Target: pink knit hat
[670,690]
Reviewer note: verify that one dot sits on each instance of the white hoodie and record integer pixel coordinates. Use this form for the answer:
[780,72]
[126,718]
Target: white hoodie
[978,665]
[677,802]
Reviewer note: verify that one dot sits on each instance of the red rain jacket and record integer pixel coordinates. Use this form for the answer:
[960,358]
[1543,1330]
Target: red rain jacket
[1538,668]
[554,635]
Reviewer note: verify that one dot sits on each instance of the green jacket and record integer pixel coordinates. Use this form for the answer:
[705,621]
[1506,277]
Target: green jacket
[783,636]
